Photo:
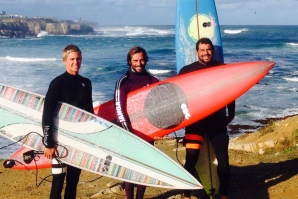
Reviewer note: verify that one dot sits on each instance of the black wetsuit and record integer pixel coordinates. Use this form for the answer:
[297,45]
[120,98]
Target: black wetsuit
[77,91]
[129,82]
[215,127]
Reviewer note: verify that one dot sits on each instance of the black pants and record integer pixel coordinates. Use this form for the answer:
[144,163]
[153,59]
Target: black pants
[129,189]
[220,145]
[72,180]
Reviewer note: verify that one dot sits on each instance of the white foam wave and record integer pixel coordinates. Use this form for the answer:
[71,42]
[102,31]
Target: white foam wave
[24,59]
[281,87]
[235,31]
[156,71]
[291,79]
[293,89]
[76,36]
[292,44]
[285,112]
[43,34]
[132,31]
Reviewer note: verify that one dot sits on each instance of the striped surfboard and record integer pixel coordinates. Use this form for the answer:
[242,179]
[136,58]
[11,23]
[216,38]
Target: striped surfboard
[89,142]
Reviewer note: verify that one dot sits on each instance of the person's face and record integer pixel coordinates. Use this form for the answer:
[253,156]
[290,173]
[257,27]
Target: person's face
[73,63]
[204,53]
[138,62]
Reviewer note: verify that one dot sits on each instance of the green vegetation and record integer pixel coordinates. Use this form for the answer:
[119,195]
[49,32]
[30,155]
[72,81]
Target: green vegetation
[290,144]
[288,150]
[267,129]
[295,136]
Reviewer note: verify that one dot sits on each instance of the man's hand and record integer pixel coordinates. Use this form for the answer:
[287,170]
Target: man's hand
[50,152]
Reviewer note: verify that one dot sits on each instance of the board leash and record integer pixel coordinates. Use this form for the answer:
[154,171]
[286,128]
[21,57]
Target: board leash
[33,155]
[177,143]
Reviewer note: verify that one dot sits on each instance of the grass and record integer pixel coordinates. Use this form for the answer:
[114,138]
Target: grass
[267,129]
[289,149]
[296,136]
[290,144]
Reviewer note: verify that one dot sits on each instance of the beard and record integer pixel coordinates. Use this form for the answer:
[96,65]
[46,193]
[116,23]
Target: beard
[205,59]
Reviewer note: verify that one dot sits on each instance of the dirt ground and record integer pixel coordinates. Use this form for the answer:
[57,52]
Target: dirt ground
[272,175]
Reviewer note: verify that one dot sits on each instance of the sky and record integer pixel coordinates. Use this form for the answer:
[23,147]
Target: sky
[154,12]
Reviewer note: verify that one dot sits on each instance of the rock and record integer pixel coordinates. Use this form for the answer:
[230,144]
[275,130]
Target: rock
[116,189]
[110,184]
[279,135]
[175,197]
[261,151]
[113,188]
[21,27]
[80,29]
[100,193]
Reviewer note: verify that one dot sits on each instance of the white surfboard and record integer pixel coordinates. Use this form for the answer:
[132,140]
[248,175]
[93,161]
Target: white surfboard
[89,142]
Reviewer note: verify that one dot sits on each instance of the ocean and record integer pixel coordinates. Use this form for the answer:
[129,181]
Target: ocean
[31,63]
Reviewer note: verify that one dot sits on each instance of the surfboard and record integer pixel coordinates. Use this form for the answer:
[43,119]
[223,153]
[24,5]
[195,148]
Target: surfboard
[196,19]
[89,142]
[207,169]
[172,104]
[39,161]
[169,105]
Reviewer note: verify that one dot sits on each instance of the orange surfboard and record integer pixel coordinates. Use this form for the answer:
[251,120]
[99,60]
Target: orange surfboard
[172,104]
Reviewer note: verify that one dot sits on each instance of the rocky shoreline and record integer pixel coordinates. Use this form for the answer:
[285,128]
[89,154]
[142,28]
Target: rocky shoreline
[23,27]
[281,134]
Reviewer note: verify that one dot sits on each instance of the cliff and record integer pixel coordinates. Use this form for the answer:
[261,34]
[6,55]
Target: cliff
[21,27]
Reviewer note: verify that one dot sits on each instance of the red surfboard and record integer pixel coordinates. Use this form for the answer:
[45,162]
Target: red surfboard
[174,103]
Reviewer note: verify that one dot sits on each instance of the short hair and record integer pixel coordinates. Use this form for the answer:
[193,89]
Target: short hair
[69,49]
[135,50]
[204,40]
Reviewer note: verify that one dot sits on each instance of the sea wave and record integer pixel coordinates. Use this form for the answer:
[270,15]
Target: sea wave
[163,50]
[24,59]
[237,31]
[292,44]
[156,71]
[134,31]
[291,79]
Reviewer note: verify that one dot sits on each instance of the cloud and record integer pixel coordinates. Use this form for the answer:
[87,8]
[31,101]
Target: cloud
[257,12]
[107,12]
[154,12]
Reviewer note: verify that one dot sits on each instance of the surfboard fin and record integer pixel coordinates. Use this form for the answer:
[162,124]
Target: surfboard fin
[212,193]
